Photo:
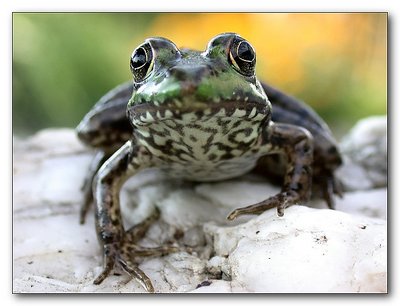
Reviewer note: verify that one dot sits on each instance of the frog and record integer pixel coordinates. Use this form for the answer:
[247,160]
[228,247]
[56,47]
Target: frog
[199,116]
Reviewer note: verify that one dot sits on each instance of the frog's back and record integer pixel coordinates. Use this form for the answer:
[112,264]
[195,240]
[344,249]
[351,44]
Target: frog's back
[287,109]
[106,125]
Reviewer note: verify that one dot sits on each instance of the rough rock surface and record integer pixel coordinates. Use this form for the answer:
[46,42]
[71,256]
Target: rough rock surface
[307,250]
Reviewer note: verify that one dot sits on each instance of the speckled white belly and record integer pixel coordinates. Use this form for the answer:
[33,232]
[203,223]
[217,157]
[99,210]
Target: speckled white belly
[209,149]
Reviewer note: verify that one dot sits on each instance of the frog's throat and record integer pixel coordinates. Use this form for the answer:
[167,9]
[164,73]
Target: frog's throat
[144,114]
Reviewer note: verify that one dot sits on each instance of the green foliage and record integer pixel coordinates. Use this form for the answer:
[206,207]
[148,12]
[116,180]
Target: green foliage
[63,63]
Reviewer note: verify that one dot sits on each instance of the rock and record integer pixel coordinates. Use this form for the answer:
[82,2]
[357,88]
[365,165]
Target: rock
[365,155]
[307,250]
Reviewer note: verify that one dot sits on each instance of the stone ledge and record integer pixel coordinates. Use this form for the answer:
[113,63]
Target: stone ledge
[308,250]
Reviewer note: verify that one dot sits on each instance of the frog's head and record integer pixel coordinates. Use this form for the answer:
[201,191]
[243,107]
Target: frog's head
[181,83]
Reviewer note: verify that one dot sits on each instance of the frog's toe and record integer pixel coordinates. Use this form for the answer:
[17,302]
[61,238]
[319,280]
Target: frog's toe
[108,267]
[111,258]
[157,251]
[136,232]
[280,201]
[138,274]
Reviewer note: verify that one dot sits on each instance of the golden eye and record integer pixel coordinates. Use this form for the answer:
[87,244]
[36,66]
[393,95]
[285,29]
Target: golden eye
[243,57]
[141,62]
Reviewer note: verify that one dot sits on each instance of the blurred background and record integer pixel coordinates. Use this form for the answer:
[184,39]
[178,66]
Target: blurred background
[64,62]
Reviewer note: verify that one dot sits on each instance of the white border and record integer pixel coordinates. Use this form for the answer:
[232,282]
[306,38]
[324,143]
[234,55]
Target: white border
[6,9]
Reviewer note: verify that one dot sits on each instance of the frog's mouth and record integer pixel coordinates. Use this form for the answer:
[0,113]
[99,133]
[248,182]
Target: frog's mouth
[146,113]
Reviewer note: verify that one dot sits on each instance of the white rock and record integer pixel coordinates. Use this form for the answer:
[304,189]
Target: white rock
[308,250]
[371,203]
[365,155]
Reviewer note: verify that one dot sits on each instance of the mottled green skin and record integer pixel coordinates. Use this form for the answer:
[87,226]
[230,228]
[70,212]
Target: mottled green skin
[198,116]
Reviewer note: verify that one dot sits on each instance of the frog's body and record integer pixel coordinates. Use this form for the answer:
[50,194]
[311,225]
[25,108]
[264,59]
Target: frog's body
[201,117]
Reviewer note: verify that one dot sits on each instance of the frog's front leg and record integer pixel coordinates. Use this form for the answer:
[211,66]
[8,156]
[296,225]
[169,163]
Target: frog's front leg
[297,144]
[119,248]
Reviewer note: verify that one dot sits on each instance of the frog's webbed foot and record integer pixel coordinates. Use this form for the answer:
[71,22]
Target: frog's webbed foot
[280,201]
[123,254]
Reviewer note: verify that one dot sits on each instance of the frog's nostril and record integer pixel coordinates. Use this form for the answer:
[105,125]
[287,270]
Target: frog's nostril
[187,73]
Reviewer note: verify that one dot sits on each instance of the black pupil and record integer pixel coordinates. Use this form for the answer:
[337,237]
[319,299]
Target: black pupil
[139,59]
[245,52]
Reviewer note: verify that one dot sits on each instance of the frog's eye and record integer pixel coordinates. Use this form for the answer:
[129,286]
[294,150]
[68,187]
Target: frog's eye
[242,57]
[141,62]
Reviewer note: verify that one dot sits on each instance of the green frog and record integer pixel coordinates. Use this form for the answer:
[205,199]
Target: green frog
[199,116]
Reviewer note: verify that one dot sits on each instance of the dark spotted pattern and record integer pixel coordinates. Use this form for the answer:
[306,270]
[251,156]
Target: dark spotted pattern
[209,148]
